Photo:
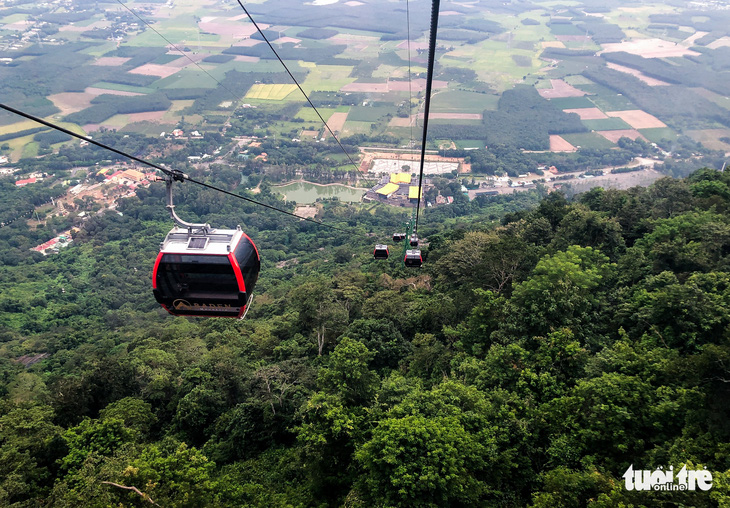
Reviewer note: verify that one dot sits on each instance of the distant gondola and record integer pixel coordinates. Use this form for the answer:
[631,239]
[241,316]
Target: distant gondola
[381,252]
[399,237]
[206,273]
[413,259]
[414,240]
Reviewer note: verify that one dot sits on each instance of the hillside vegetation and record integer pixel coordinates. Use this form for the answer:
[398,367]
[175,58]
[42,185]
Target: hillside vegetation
[528,363]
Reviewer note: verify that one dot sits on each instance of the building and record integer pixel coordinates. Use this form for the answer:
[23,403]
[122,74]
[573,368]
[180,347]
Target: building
[23,183]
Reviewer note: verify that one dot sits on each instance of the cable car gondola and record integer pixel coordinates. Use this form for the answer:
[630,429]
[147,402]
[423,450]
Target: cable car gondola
[399,237]
[414,240]
[206,272]
[413,259]
[381,252]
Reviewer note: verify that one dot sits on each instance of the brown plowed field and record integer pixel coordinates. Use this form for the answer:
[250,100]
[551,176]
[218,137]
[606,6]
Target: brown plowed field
[643,77]
[558,144]
[336,122]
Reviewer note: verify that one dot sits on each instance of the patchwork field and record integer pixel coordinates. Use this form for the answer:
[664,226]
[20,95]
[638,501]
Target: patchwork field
[560,89]
[615,135]
[588,113]
[637,119]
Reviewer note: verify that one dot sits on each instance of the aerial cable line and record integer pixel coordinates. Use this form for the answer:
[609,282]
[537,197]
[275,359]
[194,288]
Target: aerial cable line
[410,88]
[298,85]
[429,78]
[235,95]
[174,173]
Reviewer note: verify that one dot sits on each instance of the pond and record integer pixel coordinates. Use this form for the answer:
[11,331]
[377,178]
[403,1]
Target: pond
[307,192]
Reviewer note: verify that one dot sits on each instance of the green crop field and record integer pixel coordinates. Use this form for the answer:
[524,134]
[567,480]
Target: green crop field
[309,115]
[459,101]
[470,143]
[572,103]
[606,124]
[587,140]
[368,114]
[655,135]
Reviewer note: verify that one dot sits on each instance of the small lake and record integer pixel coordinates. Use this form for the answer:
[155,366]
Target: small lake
[305,192]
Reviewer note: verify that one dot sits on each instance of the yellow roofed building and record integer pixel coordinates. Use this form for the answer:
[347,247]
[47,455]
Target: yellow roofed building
[400,178]
[387,189]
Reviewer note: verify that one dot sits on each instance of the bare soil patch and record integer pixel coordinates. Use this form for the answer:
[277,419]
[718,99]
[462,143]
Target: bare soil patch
[417,85]
[637,118]
[552,44]
[70,102]
[572,38]
[366,87]
[239,30]
[588,113]
[711,138]
[336,122]
[558,144]
[614,136]
[722,41]
[560,89]
[161,71]
[649,48]
[284,40]
[111,61]
[244,58]
[643,77]
[398,121]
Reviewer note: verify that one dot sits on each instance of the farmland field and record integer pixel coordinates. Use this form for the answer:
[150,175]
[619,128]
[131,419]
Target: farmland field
[606,124]
[656,135]
[459,101]
[572,102]
[277,92]
[588,140]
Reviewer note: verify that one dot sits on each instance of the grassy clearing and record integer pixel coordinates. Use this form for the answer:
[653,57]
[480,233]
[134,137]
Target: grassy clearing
[587,140]
[711,138]
[459,101]
[329,78]
[187,78]
[275,92]
[30,150]
[308,115]
[606,124]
